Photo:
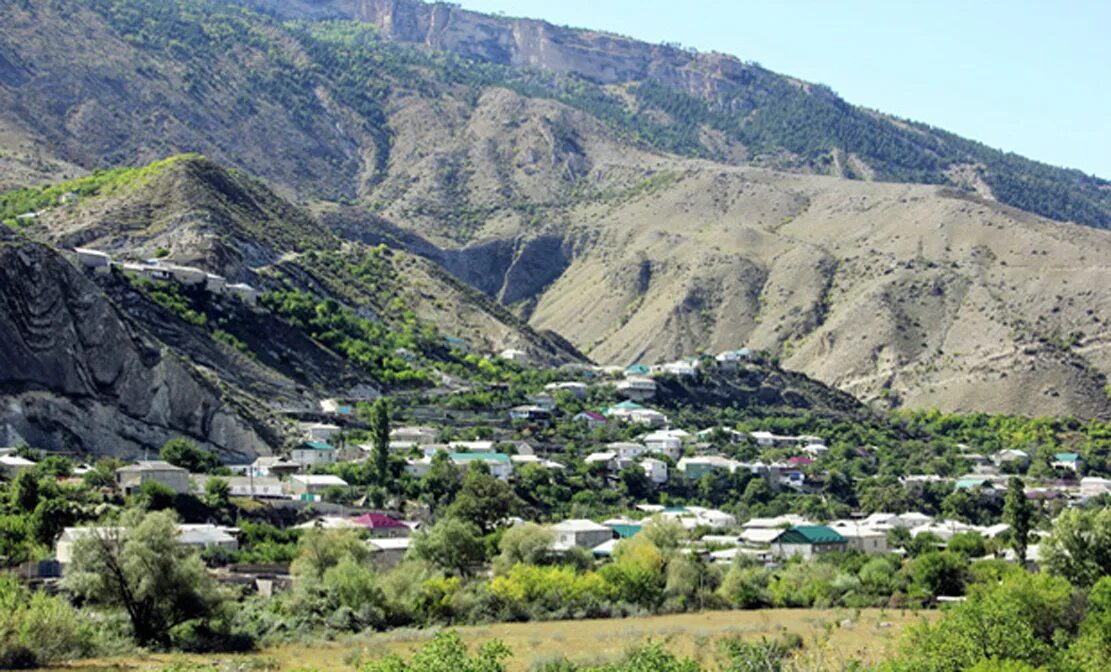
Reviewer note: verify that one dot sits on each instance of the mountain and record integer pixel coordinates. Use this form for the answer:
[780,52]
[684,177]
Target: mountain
[114,364]
[643,201]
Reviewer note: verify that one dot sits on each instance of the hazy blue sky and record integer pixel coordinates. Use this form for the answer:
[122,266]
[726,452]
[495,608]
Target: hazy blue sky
[1028,77]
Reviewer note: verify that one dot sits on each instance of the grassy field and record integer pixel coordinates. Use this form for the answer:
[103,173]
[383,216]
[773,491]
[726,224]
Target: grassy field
[831,637]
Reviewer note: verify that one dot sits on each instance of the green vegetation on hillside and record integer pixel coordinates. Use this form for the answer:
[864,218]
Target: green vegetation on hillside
[99,183]
[765,112]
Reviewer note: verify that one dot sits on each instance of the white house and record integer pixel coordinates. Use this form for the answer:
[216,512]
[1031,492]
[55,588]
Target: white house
[681,368]
[580,532]
[1093,486]
[420,436]
[647,416]
[312,453]
[95,260]
[655,470]
[12,465]
[215,283]
[666,442]
[313,484]
[575,388]
[514,355]
[246,293]
[130,479]
[627,449]
[267,465]
[637,388]
[256,488]
[208,536]
[865,539]
[319,431]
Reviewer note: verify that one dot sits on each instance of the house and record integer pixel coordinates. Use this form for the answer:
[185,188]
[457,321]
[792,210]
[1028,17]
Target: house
[666,442]
[760,536]
[473,446]
[130,479]
[335,407]
[215,284]
[249,486]
[312,453]
[261,487]
[388,552]
[710,432]
[63,548]
[815,450]
[306,486]
[655,470]
[94,260]
[808,541]
[591,418]
[273,465]
[580,532]
[1092,486]
[186,275]
[199,536]
[730,359]
[419,436]
[637,369]
[500,465]
[12,465]
[208,536]
[647,416]
[694,468]
[862,538]
[627,449]
[713,518]
[681,368]
[530,413]
[514,355]
[623,409]
[1011,456]
[536,460]
[973,482]
[636,387]
[380,525]
[1070,461]
[543,400]
[244,292]
[800,461]
[784,521]
[579,390]
[319,431]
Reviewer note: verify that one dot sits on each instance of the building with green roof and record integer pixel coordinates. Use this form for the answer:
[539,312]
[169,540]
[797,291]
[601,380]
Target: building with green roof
[808,541]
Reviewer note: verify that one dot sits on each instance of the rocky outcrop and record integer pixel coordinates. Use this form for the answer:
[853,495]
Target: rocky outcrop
[78,375]
[604,58]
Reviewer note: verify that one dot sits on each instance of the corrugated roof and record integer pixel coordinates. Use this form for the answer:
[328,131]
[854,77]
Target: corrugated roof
[811,534]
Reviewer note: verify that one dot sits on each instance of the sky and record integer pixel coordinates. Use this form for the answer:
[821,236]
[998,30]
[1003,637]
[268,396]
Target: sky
[1027,77]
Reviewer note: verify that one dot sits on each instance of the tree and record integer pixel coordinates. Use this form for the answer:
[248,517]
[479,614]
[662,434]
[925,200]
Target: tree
[155,496]
[319,550]
[1079,548]
[141,568]
[1019,514]
[483,499]
[938,573]
[217,493]
[186,454]
[25,491]
[451,544]
[380,438]
[527,544]
[447,652]
[49,518]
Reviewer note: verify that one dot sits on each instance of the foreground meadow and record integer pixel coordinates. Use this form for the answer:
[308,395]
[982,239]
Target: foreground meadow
[831,637]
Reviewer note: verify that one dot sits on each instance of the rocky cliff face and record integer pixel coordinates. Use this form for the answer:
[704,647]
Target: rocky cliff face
[600,57]
[77,375]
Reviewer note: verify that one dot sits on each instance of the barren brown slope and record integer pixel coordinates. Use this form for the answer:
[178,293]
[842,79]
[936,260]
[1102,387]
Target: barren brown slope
[901,293]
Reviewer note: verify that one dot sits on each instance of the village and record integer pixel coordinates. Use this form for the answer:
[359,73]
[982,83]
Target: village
[307,479]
